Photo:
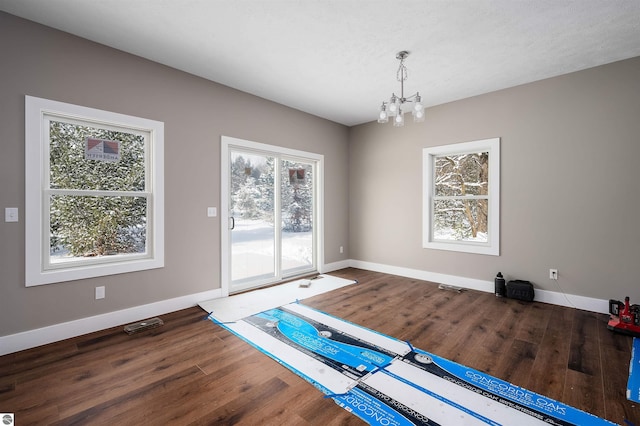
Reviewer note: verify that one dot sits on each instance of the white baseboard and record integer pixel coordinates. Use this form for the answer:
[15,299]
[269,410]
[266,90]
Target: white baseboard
[545,296]
[54,333]
[573,301]
[470,283]
[330,267]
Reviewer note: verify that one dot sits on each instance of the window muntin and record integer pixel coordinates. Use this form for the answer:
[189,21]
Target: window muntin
[461,200]
[94,192]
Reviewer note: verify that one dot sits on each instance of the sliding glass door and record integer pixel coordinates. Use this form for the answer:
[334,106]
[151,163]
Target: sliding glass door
[272,200]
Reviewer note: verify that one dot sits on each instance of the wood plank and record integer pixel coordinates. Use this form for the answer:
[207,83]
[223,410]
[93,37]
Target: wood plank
[139,398]
[584,356]
[533,323]
[553,354]
[238,410]
[584,390]
[516,365]
[584,369]
[501,327]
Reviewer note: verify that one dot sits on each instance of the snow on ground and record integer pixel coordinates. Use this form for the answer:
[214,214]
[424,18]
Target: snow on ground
[252,249]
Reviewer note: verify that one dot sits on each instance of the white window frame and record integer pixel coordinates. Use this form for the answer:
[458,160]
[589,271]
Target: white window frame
[38,269]
[492,246]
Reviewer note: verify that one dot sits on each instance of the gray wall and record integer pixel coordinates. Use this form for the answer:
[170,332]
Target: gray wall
[569,175]
[46,63]
[570,147]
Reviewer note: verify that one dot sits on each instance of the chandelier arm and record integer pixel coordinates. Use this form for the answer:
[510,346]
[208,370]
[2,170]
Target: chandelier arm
[412,97]
[403,99]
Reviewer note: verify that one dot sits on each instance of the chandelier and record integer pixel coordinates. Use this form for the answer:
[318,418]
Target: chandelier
[395,107]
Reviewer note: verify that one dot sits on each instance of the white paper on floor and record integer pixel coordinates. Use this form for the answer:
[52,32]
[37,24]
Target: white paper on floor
[236,307]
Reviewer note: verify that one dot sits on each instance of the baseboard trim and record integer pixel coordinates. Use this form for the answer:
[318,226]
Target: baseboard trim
[545,296]
[573,301]
[330,267]
[57,332]
[470,283]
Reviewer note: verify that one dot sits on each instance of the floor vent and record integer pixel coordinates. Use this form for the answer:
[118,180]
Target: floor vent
[137,327]
[450,288]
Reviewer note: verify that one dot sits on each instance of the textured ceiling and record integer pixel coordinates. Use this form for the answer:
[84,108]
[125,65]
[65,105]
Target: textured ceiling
[336,58]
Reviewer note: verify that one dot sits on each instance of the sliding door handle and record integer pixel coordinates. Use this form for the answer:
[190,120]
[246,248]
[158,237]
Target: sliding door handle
[233,223]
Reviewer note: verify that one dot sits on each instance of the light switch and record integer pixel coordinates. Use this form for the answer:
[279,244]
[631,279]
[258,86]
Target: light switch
[212,211]
[11,214]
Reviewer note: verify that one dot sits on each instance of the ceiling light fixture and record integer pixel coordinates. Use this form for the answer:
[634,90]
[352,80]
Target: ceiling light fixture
[395,107]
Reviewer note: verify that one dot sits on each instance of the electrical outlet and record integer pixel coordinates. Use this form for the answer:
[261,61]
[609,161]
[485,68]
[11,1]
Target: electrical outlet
[341,249]
[100,292]
[553,274]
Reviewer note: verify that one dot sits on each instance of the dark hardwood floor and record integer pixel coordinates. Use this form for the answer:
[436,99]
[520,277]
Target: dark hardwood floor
[192,372]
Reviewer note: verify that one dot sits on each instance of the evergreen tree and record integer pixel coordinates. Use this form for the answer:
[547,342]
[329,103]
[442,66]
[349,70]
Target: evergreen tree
[297,196]
[92,225]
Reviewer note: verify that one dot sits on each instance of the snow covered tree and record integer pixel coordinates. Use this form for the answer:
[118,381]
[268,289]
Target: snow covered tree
[88,220]
[252,188]
[266,184]
[253,191]
[297,196]
[461,196]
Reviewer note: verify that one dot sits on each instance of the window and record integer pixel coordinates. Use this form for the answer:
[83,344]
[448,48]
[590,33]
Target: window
[94,192]
[461,201]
